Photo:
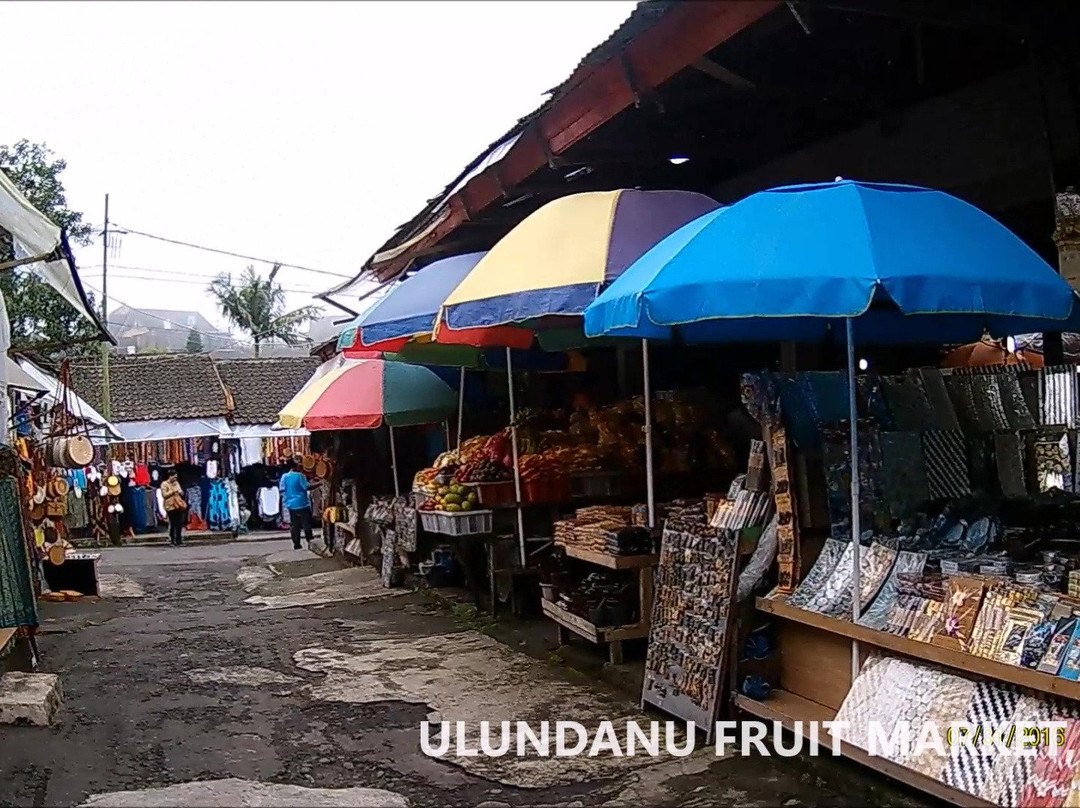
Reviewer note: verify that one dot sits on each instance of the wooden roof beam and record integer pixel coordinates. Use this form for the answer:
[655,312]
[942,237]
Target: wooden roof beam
[723,74]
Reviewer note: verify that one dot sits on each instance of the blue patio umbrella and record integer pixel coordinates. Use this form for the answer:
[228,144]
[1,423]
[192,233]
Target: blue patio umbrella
[791,263]
[891,263]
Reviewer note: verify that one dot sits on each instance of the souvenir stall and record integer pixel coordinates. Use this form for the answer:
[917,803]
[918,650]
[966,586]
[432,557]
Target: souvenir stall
[901,594]
[259,455]
[367,394]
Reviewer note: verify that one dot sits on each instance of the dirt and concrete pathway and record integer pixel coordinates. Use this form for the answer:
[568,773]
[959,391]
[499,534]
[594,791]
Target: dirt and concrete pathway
[252,674]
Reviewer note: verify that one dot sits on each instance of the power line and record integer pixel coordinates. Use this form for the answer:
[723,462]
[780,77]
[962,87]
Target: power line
[189,281]
[179,326]
[228,253]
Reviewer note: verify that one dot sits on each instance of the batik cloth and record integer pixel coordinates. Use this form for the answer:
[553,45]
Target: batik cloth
[945,455]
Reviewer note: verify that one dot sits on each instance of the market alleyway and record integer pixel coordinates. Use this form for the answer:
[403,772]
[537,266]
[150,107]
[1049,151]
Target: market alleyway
[254,674]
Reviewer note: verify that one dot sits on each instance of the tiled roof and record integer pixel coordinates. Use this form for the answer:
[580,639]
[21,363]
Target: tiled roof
[261,387]
[155,386]
[149,387]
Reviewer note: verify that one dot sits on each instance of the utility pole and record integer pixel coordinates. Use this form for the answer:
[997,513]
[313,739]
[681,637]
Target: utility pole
[106,400]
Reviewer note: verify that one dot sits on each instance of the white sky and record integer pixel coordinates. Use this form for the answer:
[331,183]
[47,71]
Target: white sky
[302,132]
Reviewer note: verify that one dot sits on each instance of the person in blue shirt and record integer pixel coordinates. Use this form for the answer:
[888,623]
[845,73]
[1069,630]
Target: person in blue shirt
[294,496]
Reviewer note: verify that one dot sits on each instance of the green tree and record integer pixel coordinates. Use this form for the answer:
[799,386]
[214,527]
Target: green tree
[194,342]
[38,314]
[256,306]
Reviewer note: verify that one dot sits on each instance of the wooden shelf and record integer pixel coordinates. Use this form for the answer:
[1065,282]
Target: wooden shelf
[967,663]
[787,708]
[630,562]
[591,632]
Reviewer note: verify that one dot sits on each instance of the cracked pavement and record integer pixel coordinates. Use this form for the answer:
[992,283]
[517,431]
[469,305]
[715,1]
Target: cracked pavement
[249,674]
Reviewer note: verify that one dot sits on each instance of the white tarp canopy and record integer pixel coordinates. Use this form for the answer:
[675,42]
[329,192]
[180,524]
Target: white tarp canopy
[214,426]
[99,427]
[34,236]
[242,431]
[19,379]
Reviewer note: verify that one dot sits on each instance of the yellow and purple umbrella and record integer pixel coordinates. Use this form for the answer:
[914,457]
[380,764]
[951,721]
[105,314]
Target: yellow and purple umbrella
[546,270]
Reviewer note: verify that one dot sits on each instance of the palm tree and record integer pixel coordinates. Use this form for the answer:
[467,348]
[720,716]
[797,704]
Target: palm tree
[257,307]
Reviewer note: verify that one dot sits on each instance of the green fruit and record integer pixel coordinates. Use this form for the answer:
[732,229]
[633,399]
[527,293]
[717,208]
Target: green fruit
[466,505]
[451,507]
[452,499]
[471,497]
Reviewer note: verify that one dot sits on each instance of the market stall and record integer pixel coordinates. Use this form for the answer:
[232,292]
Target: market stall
[367,394]
[904,559]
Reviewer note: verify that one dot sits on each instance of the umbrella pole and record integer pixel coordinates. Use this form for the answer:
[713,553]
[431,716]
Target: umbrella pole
[460,405]
[650,493]
[393,463]
[514,456]
[853,420]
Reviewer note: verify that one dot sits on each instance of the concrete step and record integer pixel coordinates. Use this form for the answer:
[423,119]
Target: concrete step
[29,698]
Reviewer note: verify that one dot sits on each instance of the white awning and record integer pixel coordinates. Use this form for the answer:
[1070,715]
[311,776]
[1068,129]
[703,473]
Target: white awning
[264,431]
[33,236]
[75,405]
[174,429]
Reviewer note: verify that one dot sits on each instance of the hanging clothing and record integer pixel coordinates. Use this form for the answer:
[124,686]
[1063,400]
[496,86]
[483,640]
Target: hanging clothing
[251,451]
[269,503]
[217,511]
[211,469]
[142,475]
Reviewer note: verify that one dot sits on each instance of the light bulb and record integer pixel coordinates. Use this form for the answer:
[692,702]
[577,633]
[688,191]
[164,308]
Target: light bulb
[678,160]
[1010,344]
[863,364]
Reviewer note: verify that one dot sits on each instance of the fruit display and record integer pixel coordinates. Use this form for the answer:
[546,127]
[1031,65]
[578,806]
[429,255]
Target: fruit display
[552,445]
[452,498]
[484,471]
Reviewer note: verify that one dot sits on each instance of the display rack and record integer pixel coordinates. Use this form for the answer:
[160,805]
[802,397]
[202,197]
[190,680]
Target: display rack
[789,709]
[612,636]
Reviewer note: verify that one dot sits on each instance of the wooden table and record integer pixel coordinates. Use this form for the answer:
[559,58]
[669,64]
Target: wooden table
[612,636]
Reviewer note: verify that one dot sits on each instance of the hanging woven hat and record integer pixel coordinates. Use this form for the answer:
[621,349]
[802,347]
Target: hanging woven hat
[322,469]
[37,512]
[309,462]
[57,554]
[113,481]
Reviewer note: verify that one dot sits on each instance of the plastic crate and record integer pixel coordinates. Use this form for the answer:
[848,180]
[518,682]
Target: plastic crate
[464,523]
[429,521]
[494,495]
[596,484]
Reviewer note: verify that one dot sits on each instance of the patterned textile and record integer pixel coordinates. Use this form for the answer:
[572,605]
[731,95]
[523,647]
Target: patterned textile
[939,699]
[18,604]
[991,704]
[1012,399]
[835,452]
[962,600]
[877,614]
[904,472]
[907,403]
[837,585]
[1009,460]
[876,564]
[943,413]
[946,465]
[1052,773]
[405,524]
[979,459]
[988,404]
[863,702]
[963,400]
[1012,773]
[1052,463]
[1057,386]
[818,575]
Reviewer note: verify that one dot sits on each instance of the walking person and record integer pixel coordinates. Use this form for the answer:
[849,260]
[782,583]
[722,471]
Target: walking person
[295,497]
[175,507]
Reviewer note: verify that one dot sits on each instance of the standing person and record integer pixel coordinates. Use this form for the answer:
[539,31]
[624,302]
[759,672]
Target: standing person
[175,507]
[295,497]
